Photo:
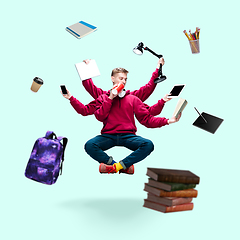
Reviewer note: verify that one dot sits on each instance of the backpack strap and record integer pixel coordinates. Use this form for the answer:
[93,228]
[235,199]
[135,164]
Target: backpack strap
[50,134]
[65,140]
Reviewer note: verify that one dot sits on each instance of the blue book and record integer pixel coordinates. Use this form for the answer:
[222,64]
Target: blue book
[81,29]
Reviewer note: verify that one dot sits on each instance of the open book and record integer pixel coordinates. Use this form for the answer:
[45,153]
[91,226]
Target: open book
[180,106]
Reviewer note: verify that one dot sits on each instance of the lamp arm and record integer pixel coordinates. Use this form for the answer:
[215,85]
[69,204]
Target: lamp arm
[160,70]
[151,51]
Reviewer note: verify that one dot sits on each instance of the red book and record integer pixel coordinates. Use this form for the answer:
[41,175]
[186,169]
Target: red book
[168,201]
[167,209]
[161,193]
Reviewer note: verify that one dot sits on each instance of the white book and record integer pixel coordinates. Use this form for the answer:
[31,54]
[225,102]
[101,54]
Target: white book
[180,106]
[87,71]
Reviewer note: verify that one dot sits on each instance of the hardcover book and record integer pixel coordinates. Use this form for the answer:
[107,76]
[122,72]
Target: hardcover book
[168,201]
[172,175]
[161,193]
[169,186]
[180,107]
[81,29]
[166,209]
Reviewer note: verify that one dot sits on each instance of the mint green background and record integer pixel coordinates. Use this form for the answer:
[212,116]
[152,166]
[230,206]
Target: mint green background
[84,204]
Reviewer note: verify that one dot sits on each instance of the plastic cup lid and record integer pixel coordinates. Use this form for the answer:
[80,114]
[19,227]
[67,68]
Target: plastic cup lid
[38,80]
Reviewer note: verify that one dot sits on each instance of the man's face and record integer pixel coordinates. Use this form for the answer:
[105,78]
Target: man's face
[119,78]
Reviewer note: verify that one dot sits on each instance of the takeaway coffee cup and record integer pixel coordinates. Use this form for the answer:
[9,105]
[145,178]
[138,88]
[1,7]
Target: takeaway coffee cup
[36,84]
[116,89]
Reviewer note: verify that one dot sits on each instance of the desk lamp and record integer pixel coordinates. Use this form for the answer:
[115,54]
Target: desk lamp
[139,51]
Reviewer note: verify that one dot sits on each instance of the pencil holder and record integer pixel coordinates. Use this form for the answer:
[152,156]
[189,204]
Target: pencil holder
[194,44]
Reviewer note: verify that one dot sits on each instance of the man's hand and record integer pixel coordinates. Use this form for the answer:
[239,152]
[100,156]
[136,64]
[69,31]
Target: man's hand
[166,99]
[173,119]
[161,60]
[67,96]
[87,61]
[112,96]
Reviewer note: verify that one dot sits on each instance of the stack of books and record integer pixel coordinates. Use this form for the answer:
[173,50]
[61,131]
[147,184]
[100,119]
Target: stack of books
[170,190]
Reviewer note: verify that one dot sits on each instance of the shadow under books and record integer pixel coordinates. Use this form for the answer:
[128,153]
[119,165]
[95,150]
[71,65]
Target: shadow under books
[105,207]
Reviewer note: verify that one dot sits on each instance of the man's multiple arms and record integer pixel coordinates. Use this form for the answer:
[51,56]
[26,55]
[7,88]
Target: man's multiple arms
[89,108]
[90,87]
[103,107]
[149,121]
[156,109]
[143,93]
[80,108]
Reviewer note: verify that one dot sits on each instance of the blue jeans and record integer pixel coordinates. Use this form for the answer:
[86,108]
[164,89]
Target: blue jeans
[96,146]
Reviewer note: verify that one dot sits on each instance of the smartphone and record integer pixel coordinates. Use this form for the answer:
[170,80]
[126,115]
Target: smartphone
[63,88]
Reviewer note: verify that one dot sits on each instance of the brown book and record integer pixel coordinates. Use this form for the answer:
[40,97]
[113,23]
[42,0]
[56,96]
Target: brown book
[169,201]
[172,175]
[161,193]
[168,186]
[166,209]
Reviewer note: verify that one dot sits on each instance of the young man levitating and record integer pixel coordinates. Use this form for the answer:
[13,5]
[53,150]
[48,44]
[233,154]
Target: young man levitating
[117,114]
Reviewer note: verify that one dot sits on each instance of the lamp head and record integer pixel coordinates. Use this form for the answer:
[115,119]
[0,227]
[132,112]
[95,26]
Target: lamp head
[138,49]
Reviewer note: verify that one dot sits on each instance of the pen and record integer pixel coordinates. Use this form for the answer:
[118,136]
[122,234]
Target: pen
[201,115]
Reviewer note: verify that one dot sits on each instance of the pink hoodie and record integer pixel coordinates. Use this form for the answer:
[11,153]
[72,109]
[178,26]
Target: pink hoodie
[143,93]
[117,115]
[89,109]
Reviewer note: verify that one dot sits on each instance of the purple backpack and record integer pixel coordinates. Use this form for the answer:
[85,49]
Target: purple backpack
[46,160]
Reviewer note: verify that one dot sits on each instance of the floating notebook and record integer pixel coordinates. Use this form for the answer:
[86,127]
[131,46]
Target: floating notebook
[208,122]
[87,71]
[81,29]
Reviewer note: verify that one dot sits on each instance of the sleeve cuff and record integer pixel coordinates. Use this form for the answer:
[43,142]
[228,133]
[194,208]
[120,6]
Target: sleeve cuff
[86,79]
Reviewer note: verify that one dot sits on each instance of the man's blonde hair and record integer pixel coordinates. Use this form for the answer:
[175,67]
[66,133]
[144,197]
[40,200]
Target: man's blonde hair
[118,70]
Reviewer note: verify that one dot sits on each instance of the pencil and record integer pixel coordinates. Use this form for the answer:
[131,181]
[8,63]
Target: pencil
[190,34]
[198,32]
[185,32]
